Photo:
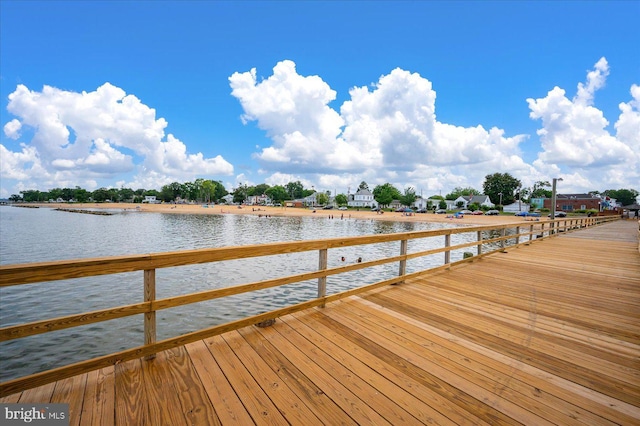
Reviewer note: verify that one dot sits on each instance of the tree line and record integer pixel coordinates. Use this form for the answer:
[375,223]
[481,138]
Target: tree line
[502,189]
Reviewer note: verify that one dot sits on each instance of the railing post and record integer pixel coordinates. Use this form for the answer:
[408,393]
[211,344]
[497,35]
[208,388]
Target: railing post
[447,254]
[503,232]
[542,230]
[402,269]
[517,235]
[530,233]
[150,317]
[479,243]
[322,281]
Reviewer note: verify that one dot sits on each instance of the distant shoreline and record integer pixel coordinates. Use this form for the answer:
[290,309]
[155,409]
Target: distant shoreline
[363,214]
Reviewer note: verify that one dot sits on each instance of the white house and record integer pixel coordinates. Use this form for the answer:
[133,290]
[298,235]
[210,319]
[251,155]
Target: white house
[516,207]
[258,200]
[228,199]
[362,198]
[310,200]
[466,200]
[420,203]
[151,199]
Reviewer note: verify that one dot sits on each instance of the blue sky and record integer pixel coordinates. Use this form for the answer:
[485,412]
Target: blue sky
[433,95]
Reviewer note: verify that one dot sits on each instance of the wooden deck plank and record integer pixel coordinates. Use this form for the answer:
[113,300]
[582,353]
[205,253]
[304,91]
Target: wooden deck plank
[257,403]
[406,410]
[228,407]
[194,401]
[547,333]
[132,401]
[520,350]
[597,403]
[501,371]
[71,391]
[41,394]
[422,402]
[439,367]
[331,385]
[580,355]
[99,398]
[317,400]
[164,405]
[289,404]
[548,326]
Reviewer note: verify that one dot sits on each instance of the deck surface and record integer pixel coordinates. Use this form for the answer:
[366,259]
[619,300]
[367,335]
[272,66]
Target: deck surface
[543,334]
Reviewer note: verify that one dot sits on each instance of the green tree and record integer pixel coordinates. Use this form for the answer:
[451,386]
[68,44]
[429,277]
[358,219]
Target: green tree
[55,193]
[363,185]
[295,189]
[67,194]
[622,196]
[15,198]
[260,189]
[240,194]
[539,189]
[409,196]
[341,200]
[208,190]
[384,194]
[501,183]
[458,191]
[221,191]
[322,199]
[81,195]
[125,194]
[196,190]
[100,195]
[189,191]
[442,204]
[277,193]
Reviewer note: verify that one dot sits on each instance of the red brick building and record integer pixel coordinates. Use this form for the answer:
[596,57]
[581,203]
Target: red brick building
[571,202]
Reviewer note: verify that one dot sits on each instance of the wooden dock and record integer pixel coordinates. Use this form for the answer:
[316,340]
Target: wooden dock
[543,334]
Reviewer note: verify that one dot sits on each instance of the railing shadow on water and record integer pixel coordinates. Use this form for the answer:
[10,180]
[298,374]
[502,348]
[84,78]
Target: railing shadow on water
[336,271]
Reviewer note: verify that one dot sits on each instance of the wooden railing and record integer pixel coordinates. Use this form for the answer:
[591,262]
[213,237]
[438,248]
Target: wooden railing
[24,274]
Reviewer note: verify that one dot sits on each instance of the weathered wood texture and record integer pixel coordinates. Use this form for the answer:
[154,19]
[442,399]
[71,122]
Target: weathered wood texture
[538,335]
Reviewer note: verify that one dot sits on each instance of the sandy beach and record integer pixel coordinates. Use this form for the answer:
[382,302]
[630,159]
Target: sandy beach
[363,214]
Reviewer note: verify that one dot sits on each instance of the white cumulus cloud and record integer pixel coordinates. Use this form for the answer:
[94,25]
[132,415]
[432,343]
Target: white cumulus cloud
[293,110]
[12,129]
[79,137]
[575,135]
[389,129]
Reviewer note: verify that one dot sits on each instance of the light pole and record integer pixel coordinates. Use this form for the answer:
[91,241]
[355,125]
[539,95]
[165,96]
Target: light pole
[553,197]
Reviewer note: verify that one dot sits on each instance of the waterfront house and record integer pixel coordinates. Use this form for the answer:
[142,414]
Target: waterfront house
[258,200]
[420,203]
[362,198]
[395,204]
[518,206]
[464,201]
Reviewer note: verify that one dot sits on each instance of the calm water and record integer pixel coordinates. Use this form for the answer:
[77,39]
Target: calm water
[33,235]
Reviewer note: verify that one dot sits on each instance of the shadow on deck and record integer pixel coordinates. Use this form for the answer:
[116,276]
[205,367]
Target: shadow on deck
[543,334]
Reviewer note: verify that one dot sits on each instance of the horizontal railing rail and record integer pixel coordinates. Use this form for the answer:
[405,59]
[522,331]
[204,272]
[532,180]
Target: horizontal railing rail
[25,274]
